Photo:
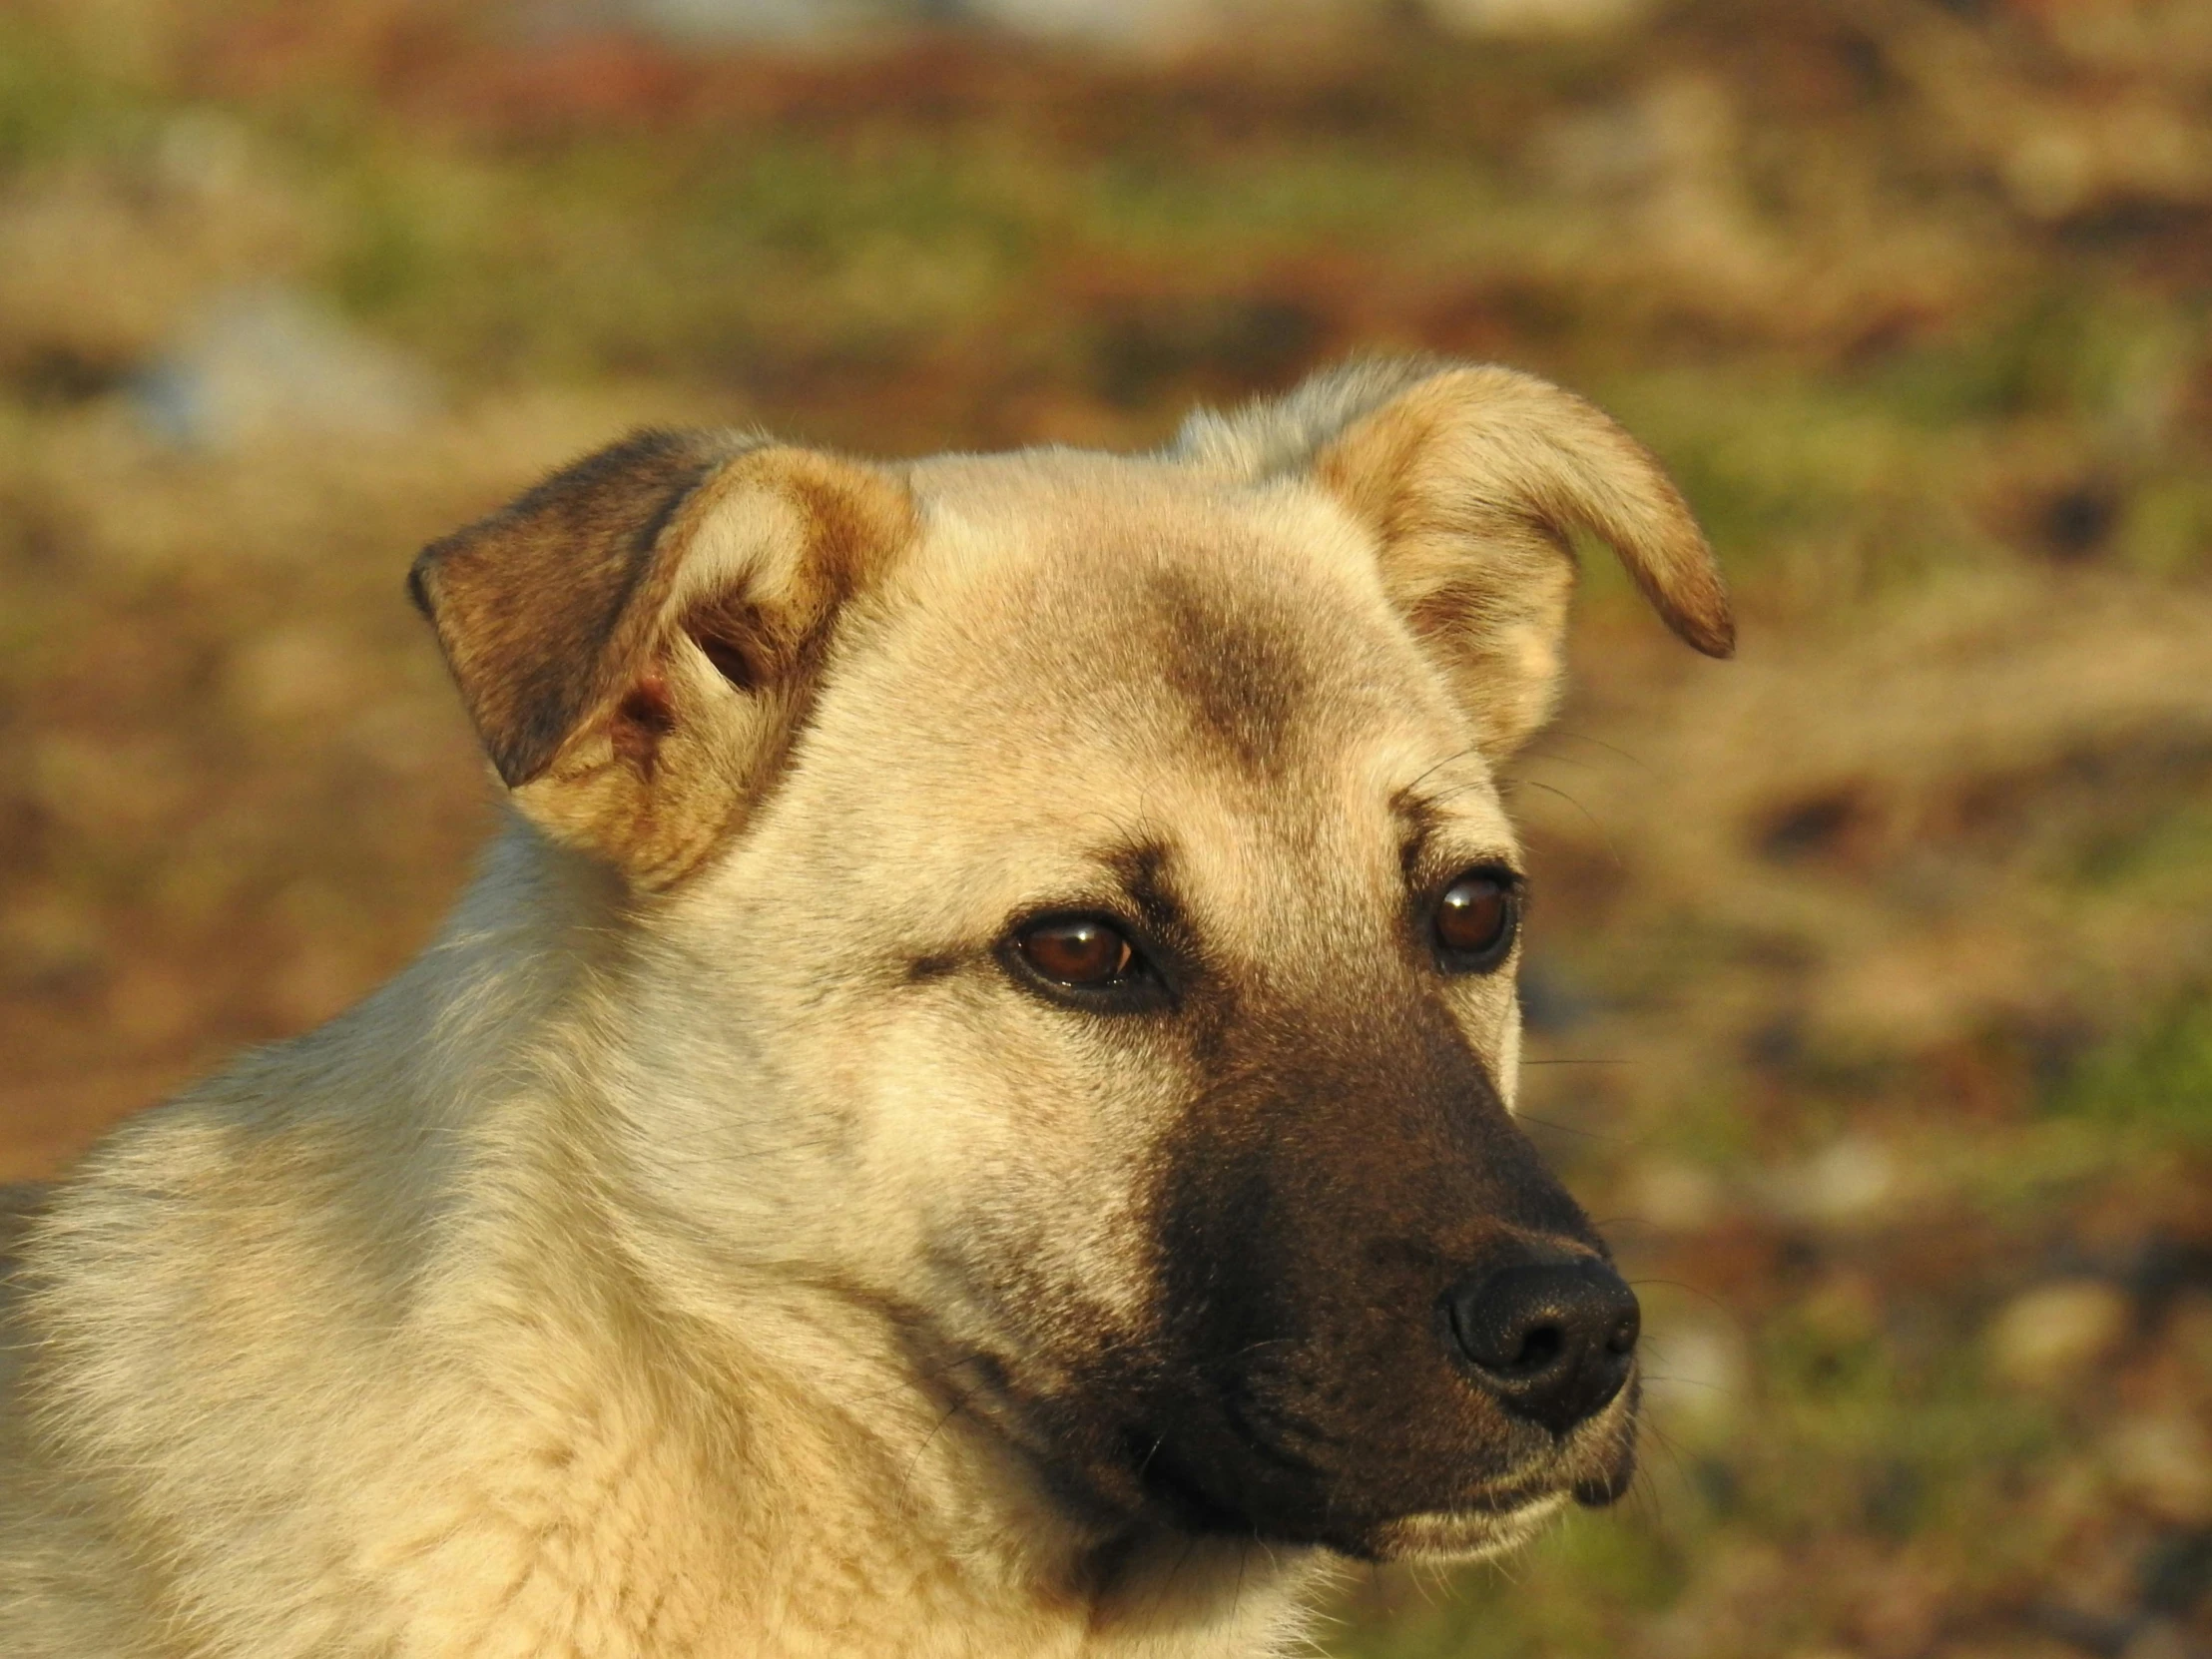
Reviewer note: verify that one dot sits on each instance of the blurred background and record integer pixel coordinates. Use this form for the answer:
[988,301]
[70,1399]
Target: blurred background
[1872,978]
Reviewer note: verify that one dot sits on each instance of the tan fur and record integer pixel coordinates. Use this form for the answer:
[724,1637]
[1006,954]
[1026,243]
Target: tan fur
[601,1286]
[1474,478]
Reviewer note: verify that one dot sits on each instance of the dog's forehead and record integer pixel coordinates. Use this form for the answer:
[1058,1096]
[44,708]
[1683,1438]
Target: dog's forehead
[1137,602]
[1083,656]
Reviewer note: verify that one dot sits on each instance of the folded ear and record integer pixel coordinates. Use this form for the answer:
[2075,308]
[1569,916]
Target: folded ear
[636,639]
[1472,479]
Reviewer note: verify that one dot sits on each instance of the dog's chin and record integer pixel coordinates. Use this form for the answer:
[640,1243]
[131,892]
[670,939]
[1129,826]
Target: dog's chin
[1461,1535]
[1488,1519]
[1485,1524]
[1484,1519]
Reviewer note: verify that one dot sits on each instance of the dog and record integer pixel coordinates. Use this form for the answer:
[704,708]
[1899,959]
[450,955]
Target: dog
[968,1112]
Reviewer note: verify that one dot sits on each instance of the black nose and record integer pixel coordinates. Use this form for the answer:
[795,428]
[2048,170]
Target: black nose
[1553,1341]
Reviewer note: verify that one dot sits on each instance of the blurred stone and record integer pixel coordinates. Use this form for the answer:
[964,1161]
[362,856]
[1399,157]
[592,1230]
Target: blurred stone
[1609,151]
[1854,1180]
[2054,1331]
[102,259]
[2164,1462]
[1695,1375]
[264,363]
[2075,156]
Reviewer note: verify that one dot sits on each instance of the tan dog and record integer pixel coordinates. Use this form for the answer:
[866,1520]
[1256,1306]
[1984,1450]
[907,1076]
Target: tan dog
[967,1114]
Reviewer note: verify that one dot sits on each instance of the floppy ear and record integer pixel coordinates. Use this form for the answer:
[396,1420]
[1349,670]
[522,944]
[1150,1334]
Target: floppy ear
[636,639]
[1472,479]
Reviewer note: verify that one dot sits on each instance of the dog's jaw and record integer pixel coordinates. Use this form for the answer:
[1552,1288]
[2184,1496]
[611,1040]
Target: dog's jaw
[1465,1535]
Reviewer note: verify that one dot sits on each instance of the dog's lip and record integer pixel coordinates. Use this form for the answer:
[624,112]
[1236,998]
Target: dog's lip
[1494,1515]
[1544,1481]
[1490,1527]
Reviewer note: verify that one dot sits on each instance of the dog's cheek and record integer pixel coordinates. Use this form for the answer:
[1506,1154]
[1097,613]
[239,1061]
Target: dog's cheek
[1044,1194]
[980,1162]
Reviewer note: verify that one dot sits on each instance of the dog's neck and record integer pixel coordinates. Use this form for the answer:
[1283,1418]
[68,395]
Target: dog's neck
[803,1462]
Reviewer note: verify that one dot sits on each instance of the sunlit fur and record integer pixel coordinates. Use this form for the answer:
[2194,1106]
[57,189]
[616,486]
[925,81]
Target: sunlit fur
[706,1247]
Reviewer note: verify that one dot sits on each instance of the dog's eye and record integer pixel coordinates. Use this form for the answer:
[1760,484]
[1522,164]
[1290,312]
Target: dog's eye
[1477,917]
[1083,951]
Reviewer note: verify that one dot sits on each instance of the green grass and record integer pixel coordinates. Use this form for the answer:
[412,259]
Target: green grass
[2155,1081]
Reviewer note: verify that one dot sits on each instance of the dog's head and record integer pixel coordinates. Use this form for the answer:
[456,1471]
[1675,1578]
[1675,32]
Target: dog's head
[1074,919]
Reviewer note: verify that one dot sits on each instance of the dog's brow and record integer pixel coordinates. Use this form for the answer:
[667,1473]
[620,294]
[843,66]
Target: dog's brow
[1425,826]
[1418,820]
[1144,871]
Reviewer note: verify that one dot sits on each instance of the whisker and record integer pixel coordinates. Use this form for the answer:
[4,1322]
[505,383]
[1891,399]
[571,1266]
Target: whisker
[1635,761]
[1719,1306]
[1448,760]
[1570,1129]
[1612,847]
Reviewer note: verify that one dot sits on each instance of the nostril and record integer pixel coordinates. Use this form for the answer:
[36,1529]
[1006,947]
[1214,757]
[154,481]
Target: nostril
[1539,1348]
[1622,1338]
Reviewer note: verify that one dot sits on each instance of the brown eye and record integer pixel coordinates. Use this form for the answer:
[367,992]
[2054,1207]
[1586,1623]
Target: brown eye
[1084,952]
[1476,920]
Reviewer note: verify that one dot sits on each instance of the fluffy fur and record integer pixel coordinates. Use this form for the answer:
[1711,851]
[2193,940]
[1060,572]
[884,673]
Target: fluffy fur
[713,1245]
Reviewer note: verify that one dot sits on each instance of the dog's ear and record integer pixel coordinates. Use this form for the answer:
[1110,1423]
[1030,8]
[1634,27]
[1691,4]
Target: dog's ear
[1472,479]
[636,639]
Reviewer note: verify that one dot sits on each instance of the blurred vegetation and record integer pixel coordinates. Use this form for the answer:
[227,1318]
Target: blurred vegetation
[1872,1003]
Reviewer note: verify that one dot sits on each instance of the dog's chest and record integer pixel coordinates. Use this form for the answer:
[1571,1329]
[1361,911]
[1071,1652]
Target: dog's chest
[616,1536]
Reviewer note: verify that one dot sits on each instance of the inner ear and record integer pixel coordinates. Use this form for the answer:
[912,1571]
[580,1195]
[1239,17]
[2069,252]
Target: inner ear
[1474,480]
[725,641]
[639,637]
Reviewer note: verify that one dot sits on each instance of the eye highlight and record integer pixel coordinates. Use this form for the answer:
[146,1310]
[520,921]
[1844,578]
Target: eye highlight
[1079,953]
[1477,917]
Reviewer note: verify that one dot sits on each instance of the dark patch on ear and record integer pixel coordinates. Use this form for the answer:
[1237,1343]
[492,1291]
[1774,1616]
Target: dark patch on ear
[753,644]
[1242,681]
[642,719]
[529,603]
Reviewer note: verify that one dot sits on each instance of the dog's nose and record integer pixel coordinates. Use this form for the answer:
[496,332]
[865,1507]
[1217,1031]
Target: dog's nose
[1553,1341]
